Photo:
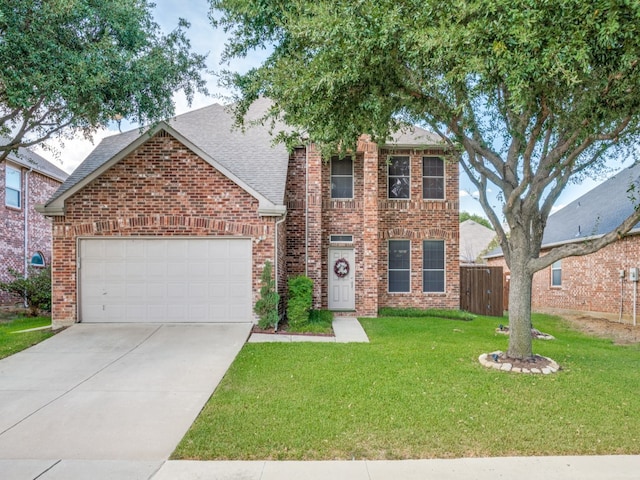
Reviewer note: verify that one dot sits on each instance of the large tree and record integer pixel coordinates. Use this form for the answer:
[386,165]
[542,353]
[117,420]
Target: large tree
[69,65]
[528,95]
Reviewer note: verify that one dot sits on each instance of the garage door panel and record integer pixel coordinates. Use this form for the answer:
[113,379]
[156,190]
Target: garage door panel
[165,280]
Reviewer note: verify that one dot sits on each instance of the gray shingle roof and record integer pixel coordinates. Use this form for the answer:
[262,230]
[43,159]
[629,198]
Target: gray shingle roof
[249,155]
[474,239]
[30,159]
[415,137]
[597,212]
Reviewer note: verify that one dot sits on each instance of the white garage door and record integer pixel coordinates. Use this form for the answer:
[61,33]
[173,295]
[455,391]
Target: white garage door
[165,280]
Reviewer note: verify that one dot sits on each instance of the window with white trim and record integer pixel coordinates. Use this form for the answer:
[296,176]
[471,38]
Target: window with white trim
[399,266]
[342,177]
[399,177]
[432,178]
[37,260]
[556,274]
[13,187]
[433,266]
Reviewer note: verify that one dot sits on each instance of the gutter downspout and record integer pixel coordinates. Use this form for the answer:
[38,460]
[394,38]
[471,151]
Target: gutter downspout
[26,224]
[275,261]
[306,210]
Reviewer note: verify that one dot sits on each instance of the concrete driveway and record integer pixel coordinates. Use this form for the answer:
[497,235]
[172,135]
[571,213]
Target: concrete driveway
[108,401]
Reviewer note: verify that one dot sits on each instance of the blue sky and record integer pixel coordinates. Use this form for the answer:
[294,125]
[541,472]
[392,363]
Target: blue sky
[205,39]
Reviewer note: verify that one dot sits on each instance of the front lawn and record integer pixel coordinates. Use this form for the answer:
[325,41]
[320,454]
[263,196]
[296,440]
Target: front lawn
[11,342]
[418,391]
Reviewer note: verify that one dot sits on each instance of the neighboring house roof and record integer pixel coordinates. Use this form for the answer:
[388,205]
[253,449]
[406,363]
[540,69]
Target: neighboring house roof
[474,239]
[248,157]
[596,213]
[29,159]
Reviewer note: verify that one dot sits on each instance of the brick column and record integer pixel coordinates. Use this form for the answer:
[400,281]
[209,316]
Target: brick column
[369,302]
[314,223]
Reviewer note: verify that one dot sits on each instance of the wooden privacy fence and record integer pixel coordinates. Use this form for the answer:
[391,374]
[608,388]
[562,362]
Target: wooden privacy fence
[481,290]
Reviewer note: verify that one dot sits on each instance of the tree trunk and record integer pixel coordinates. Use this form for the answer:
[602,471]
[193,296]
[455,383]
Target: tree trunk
[520,343]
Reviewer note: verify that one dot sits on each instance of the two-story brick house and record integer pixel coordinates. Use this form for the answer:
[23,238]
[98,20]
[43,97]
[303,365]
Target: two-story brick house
[27,179]
[176,224]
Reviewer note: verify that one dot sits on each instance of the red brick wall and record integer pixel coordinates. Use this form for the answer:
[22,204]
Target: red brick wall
[160,189]
[372,220]
[416,220]
[590,283]
[38,188]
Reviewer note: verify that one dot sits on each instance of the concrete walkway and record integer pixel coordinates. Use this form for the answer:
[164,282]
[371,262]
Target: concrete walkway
[108,400]
[520,468]
[345,329]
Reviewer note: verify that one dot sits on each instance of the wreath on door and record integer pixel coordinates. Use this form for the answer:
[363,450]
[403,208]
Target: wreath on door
[341,267]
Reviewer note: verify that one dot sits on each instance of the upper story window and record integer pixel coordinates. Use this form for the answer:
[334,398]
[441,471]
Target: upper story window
[37,260]
[342,177]
[399,177]
[13,187]
[556,274]
[432,178]
[399,266]
[433,266]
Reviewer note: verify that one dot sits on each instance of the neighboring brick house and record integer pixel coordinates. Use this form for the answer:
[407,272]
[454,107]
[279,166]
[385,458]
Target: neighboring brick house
[591,283]
[27,179]
[175,224]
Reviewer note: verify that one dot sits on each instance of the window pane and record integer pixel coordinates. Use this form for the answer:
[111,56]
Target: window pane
[12,198]
[13,178]
[399,281]
[399,187]
[433,167]
[433,188]
[341,167]
[557,278]
[433,255]
[399,254]
[37,259]
[341,187]
[433,280]
[399,166]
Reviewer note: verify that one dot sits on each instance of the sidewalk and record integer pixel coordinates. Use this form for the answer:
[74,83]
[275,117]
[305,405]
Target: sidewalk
[521,468]
[345,329]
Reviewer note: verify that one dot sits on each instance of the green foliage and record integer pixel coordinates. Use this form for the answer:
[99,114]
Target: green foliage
[464,216]
[527,96]
[429,312]
[84,63]
[267,306]
[300,300]
[35,289]
[320,316]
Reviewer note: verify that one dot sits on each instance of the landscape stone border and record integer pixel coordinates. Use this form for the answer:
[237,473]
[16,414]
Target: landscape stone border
[487,360]
[537,334]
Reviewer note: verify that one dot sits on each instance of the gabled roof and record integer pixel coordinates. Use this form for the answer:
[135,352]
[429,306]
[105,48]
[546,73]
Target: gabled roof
[474,239]
[414,137]
[248,157]
[29,159]
[596,213]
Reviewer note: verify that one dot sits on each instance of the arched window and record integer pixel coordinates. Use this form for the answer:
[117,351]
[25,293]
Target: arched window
[37,260]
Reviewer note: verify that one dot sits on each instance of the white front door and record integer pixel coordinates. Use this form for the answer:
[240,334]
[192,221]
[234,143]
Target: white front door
[342,293]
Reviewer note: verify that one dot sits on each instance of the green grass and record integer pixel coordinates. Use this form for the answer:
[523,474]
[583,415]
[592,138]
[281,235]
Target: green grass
[11,342]
[418,391]
[430,312]
[319,322]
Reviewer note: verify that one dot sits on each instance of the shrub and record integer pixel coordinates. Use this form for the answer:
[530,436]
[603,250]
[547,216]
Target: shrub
[300,300]
[429,312]
[35,290]
[267,306]
[321,316]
